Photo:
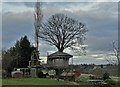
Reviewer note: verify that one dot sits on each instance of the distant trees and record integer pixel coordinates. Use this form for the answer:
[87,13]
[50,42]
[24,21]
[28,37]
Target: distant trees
[17,56]
[63,32]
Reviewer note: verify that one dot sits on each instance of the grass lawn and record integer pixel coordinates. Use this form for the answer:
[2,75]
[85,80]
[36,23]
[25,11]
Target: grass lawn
[36,82]
[42,82]
[115,78]
[32,81]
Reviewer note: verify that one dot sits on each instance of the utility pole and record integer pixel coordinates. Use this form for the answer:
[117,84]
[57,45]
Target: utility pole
[38,15]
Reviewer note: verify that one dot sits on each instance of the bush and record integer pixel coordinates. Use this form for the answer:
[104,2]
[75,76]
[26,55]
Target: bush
[40,74]
[106,76]
[4,74]
[51,76]
[111,82]
[92,77]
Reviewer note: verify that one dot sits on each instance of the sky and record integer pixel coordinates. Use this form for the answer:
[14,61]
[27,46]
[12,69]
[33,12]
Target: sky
[100,18]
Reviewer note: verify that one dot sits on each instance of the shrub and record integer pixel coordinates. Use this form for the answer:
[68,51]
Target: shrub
[111,82]
[51,76]
[98,73]
[92,77]
[106,76]
[40,74]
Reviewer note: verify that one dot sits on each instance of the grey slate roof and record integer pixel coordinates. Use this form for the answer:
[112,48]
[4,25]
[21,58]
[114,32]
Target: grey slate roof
[59,55]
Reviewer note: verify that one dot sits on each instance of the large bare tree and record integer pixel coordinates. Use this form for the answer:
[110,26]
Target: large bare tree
[63,31]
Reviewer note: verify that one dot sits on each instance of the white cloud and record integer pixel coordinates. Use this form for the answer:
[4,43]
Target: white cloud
[20,7]
[95,55]
[61,0]
[100,58]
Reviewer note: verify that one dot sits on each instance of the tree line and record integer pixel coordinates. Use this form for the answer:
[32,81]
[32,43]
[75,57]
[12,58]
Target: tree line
[17,56]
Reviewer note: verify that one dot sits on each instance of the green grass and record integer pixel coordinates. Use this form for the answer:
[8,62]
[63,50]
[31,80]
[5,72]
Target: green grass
[86,84]
[84,77]
[36,82]
[115,78]
[32,81]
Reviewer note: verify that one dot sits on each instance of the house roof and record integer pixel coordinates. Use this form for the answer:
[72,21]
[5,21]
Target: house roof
[59,55]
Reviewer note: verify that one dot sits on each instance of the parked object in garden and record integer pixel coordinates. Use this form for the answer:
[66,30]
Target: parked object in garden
[17,74]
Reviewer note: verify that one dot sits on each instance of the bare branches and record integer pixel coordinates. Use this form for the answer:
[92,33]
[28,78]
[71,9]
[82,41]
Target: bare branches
[62,31]
[115,54]
[116,51]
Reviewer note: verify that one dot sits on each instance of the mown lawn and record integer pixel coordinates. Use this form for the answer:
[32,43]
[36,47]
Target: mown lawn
[32,81]
[37,82]
[45,82]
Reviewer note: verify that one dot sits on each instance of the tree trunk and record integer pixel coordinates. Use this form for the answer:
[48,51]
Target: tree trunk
[60,50]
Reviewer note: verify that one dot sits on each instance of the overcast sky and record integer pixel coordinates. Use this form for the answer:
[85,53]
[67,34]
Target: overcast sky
[100,18]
